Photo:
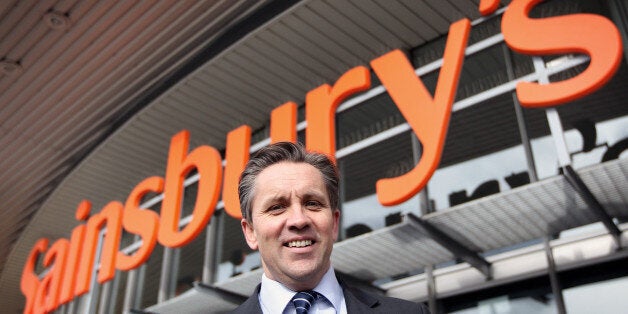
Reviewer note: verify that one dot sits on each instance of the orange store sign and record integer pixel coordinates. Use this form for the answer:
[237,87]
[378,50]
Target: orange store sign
[70,262]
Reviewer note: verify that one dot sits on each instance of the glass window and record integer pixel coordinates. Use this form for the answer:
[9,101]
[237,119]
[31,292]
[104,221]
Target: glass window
[602,297]
[152,277]
[482,71]
[599,288]
[191,258]
[235,255]
[485,30]
[361,211]
[529,296]
[367,119]
[506,305]
[595,126]
[483,154]
[117,292]
[359,171]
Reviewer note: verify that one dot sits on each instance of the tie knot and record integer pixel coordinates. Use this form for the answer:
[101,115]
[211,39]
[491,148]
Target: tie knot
[303,301]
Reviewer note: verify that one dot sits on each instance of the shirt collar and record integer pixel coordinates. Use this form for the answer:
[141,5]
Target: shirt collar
[330,288]
[274,296]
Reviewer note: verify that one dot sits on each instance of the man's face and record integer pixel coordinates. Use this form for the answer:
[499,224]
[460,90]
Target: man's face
[293,226]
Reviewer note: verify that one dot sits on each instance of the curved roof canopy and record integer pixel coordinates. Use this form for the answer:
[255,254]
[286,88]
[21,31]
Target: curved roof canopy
[92,91]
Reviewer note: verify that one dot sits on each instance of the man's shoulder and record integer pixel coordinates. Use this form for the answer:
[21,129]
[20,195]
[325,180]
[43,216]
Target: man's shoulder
[403,306]
[251,305]
[380,303]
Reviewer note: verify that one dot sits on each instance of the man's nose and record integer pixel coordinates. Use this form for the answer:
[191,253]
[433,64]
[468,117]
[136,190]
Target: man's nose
[298,218]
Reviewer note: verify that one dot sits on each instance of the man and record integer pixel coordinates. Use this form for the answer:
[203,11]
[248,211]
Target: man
[289,201]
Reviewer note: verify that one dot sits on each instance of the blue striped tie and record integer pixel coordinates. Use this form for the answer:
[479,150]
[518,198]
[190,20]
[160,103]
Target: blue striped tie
[303,301]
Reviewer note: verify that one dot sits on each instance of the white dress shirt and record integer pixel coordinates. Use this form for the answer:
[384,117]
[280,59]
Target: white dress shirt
[274,297]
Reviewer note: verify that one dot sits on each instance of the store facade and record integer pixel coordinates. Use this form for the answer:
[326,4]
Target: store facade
[460,187]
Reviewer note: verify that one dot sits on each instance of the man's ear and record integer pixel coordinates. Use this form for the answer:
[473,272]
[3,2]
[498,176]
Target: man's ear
[249,233]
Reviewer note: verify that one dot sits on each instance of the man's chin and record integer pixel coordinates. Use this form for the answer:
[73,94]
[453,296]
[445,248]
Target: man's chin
[304,274]
[302,271]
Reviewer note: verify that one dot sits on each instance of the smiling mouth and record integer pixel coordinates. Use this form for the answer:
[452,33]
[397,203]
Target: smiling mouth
[302,243]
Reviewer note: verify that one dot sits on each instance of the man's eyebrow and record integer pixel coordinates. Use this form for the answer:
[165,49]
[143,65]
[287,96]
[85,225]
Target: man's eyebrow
[279,197]
[273,198]
[313,194]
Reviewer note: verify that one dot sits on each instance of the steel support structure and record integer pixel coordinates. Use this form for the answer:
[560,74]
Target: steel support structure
[594,205]
[554,281]
[223,294]
[432,298]
[459,250]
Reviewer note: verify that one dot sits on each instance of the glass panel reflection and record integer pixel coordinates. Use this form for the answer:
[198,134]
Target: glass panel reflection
[361,212]
[235,255]
[505,305]
[599,297]
[483,154]
[528,296]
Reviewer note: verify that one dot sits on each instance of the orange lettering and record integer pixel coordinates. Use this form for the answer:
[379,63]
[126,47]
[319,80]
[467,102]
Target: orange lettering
[58,253]
[74,254]
[283,123]
[589,34]
[428,117]
[206,160]
[29,281]
[320,109]
[71,263]
[487,7]
[142,222]
[41,294]
[236,156]
[111,218]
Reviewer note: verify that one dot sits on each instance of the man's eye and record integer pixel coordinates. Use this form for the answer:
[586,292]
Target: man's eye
[313,204]
[276,207]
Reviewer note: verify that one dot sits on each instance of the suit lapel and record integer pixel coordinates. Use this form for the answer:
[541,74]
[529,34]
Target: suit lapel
[251,305]
[358,302]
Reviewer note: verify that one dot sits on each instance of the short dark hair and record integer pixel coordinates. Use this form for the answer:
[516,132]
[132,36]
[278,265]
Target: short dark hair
[285,152]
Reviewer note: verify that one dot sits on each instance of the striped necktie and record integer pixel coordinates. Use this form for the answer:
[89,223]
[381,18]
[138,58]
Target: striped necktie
[303,301]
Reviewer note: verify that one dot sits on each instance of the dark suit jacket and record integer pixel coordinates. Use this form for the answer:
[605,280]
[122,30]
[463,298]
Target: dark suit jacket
[357,301]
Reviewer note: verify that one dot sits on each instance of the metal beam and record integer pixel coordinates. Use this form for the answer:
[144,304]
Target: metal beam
[222,294]
[431,289]
[213,244]
[521,121]
[169,271]
[554,280]
[594,205]
[459,250]
[134,287]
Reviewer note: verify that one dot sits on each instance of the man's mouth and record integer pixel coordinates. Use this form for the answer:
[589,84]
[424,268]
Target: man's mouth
[300,243]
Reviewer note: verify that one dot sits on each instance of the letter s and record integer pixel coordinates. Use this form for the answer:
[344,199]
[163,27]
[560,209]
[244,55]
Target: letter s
[140,221]
[589,34]
[30,281]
